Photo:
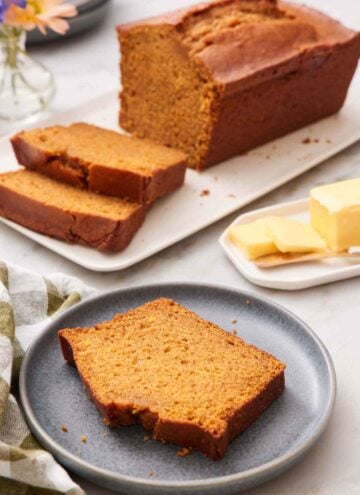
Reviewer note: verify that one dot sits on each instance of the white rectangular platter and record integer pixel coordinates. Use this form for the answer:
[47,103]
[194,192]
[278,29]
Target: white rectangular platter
[289,277]
[230,185]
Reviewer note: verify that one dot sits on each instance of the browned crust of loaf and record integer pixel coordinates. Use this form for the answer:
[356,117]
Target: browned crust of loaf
[56,167]
[278,97]
[224,69]
[104,234]
[100,178]
[178,16]
[126,184]
[236,131]
[182,433]
[66,348]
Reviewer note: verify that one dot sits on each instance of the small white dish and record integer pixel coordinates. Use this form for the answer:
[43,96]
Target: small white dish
[288,277]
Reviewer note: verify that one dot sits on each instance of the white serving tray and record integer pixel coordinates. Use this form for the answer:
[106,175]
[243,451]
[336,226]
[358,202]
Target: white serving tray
[231,185]
[289,277]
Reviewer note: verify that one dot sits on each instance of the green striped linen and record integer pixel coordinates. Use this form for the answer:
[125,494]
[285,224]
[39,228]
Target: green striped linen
[28,302]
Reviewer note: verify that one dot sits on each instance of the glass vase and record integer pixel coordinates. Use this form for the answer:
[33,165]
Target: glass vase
[26,86]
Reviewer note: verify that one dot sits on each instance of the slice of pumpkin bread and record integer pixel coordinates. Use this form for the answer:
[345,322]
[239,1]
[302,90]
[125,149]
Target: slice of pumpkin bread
[183,378]
[104,161]
[62,211]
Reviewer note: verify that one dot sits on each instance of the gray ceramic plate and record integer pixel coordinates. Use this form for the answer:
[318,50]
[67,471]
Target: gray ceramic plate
[52,394]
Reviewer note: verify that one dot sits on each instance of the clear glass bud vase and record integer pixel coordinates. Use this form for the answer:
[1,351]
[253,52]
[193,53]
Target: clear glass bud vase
[26,86]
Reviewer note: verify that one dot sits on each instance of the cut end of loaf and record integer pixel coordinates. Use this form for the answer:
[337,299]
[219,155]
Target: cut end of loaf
[166,95]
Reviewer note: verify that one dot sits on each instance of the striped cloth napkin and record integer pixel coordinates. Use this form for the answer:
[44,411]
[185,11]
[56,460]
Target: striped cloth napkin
[28,301]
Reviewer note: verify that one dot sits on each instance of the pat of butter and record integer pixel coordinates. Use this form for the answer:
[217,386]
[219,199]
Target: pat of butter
[335,213]
[252,239]
[292,236]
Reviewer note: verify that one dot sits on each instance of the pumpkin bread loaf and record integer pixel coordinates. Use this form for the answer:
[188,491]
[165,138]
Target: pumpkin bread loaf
[62,211]
[183,378]
[220,78]
[104,161]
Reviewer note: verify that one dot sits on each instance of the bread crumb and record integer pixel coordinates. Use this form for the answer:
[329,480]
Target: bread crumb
[205,192]
[316,140]
[234,321]
[151,474]
[146,438]
[183,452]
[267,157]
[216,178]
[231,196]
[83,438]
[306,141]
[328,141]
[234,332]
[64,428]
[247,301]
[106,422]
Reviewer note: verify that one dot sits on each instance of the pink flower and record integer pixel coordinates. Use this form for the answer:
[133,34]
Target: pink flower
[41,14]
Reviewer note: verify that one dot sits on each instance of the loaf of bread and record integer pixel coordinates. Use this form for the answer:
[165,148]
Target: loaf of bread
[221,78]
[62,211]
[183,378]
[104,161]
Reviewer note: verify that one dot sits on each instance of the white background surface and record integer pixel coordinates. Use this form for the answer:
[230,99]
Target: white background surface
[86,67]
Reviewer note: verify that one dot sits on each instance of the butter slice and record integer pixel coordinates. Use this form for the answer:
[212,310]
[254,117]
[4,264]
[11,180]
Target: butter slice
[252,239]
[292,236]
[335,213]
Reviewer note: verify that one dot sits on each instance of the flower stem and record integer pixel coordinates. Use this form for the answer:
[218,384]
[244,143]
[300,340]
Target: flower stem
[25,85]
[11,44]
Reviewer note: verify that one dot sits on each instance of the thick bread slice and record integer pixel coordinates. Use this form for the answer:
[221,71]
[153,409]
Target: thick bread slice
[71,214]
[182,377]
[104,161]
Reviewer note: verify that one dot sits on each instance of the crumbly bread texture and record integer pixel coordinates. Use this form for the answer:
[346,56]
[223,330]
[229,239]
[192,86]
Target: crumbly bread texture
[223,77]
[62,211]
[183,378]
[104,161]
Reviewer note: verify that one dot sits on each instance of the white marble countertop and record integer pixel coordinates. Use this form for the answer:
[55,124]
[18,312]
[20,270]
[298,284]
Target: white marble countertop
[85,67]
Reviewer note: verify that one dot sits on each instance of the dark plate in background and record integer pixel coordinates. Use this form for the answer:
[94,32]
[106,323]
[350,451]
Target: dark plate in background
[52,394]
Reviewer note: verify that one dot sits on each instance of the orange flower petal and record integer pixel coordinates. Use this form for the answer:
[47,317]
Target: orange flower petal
[41,14]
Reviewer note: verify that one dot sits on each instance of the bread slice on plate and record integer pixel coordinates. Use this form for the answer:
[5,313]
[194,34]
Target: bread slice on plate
[183,378]
[62,211]
[101,160]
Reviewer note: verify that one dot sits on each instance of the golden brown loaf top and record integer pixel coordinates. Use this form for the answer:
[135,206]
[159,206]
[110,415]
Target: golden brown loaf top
[163,360]
[62,211]
[243,42]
